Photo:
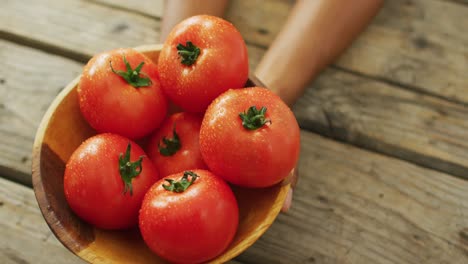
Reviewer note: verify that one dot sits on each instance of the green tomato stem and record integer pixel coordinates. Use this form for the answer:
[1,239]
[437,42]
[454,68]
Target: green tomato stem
[129,170]
[181,185]
[188,53]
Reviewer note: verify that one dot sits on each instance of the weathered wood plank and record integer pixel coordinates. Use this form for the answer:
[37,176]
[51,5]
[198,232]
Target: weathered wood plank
[28,84]
[354,206]
[415,43]
[425,130]
[149,8]
[350,206]
[24,235]
[463,2]
[76,26]
[259,21]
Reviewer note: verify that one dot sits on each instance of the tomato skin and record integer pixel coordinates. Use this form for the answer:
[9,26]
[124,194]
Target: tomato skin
[249,158]
[93,186]
[110,104]
[188,157]
[193,226]
[221,65]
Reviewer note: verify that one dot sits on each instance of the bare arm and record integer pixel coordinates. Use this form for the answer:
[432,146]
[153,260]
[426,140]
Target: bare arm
[316,32]
[178,10]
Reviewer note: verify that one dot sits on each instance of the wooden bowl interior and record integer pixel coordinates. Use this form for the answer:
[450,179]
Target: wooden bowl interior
[61,131]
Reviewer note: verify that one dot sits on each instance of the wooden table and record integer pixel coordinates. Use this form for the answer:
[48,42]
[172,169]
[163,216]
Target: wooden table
[384,162]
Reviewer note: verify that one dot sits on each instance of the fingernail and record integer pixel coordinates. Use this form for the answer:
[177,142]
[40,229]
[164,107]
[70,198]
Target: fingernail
[287,201]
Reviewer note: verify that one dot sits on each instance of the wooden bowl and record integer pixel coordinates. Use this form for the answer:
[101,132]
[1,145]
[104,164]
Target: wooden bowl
[61,131]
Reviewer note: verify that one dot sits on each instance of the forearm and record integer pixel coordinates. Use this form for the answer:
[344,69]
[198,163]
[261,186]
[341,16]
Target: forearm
[177,10]
[316,32]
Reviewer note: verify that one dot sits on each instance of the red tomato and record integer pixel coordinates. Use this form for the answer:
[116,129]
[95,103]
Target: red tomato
[119,92]
[106,179]
[250,137]
[202,57]
[189,217]
[174,147]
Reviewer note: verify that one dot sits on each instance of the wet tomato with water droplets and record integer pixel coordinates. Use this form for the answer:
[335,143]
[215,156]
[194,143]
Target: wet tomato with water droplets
[106,179]
[202,57]
[189,217]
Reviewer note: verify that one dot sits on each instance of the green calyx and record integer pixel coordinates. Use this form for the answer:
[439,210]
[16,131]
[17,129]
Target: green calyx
[129,170]
[133,76]
[253,118]
[182,184]
[170,146]
[188,53]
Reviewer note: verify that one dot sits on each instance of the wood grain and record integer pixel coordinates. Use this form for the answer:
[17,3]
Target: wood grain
[463,2]
[28,84]
[24,236]
[417,44]
[354,206]
[154,9]
[78,27]
[422,129]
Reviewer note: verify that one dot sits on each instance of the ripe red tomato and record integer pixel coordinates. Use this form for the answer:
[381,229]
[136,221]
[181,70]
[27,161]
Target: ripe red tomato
[119,92]
[189,217]
[250,137]
[174,147]
[202,57]
[106,179]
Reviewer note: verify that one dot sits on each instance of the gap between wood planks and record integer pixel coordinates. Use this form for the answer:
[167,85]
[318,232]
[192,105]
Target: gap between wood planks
[461,2]
[43,46]
[124,8]
[397,84]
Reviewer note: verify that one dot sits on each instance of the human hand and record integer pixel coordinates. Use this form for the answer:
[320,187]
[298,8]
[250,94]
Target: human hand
[291,179]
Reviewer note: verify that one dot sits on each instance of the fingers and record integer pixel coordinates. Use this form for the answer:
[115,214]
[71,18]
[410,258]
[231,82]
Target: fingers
[287,201]
[292,178]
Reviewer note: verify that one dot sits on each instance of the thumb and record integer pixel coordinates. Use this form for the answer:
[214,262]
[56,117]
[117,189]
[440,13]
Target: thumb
[291,179]
[287,201]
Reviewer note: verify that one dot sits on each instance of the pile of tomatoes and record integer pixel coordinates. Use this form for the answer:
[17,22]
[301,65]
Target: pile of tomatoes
[169,172]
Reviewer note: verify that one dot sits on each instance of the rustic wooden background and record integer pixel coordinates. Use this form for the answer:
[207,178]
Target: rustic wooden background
[384,162]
